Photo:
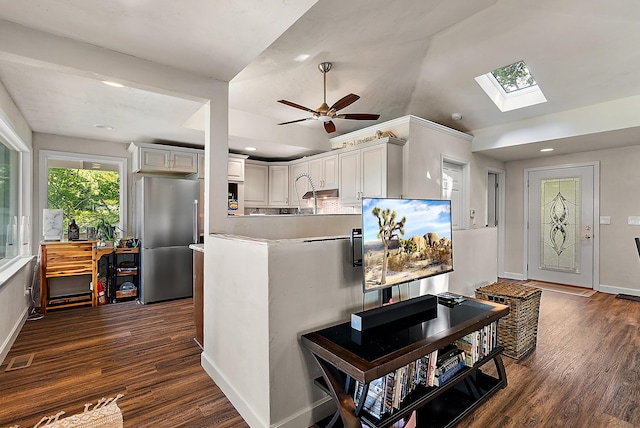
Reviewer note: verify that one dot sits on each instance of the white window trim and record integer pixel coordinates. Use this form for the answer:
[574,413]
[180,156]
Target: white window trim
[45,155]
[13,139]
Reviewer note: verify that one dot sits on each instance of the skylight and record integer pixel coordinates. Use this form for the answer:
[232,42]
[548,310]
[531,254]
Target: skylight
[514,77]
[511,87]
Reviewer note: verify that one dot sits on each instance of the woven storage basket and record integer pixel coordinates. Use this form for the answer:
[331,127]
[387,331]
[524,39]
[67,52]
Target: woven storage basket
[518,331]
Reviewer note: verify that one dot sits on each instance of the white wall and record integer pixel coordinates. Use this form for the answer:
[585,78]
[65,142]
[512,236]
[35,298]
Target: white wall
[619,183]
[14,307]
[266,294]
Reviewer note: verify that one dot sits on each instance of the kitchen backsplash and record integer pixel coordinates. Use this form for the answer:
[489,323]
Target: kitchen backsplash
[325,206]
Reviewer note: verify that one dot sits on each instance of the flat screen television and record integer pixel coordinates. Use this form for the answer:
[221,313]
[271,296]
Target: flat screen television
[404,240]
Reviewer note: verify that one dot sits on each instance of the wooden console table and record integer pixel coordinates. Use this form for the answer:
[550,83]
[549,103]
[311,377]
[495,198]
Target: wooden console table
[346,355]
[69,258]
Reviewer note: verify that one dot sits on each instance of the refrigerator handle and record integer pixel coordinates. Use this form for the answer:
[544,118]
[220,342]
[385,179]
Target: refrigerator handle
[196,220]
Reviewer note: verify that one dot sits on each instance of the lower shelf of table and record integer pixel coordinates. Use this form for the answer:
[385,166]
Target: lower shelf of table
[440,407]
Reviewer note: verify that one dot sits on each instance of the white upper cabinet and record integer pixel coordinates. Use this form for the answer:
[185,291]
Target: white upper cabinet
[374,171]
[350,177]
[324,172]
[158,158]
[256,184]
[235,168]
[279,185]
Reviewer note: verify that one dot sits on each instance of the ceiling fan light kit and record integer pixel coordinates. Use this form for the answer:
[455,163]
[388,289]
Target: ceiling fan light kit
[326,114]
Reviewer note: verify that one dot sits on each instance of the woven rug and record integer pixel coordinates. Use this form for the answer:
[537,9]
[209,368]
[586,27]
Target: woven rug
[104,414]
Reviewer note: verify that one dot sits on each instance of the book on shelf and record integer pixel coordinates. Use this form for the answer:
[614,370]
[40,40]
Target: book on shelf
[478,344]
[447,375]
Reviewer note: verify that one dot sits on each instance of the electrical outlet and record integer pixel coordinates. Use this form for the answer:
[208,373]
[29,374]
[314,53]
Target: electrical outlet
[26,290]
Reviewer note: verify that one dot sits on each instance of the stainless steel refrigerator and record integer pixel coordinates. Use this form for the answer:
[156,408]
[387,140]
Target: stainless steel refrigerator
[166,217]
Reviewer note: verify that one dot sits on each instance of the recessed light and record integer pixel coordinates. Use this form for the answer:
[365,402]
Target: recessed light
[302,58]
[114,84]
[456,116]
[100,126]
[250,149]
[546,150]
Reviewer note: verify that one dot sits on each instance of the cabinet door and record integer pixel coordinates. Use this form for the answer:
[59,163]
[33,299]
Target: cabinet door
[279,185]
[330,172]
[235,169]
[316,173]
[256,185]
[302,186]
[154,159]
[374,171]
[200,165]
[349,189]
[184,162]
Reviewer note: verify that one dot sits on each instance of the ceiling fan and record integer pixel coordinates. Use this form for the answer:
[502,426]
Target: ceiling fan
[326,114]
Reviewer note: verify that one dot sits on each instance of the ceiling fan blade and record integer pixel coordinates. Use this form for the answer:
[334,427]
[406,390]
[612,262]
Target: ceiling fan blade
[329,127]
[295,121]
[290,104]
[345,101]
[357,116]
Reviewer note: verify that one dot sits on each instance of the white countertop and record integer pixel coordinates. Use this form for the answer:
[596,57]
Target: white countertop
[197,247]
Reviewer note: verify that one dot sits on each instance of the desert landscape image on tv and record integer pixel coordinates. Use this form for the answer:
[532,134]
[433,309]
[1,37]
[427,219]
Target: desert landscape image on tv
[404,240]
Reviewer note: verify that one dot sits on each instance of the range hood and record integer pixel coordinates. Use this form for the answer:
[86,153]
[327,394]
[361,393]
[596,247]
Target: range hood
[328,193]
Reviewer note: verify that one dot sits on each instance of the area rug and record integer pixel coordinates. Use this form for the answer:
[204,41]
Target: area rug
[566,289]
[104,414]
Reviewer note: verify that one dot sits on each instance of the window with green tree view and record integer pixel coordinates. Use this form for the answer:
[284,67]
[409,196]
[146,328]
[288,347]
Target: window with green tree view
[88,193]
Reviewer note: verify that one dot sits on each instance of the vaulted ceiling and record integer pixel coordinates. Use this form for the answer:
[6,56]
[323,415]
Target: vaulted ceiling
[417,57]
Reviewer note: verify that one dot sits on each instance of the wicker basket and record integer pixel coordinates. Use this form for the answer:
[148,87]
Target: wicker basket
[518,331]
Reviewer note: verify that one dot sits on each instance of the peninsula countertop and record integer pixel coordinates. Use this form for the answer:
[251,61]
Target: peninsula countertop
[197,247]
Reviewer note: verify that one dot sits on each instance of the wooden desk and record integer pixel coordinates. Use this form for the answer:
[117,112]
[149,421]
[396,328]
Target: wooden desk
[69,258]
[346,355]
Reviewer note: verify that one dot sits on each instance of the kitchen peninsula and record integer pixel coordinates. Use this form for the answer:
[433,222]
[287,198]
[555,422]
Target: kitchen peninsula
[293,276]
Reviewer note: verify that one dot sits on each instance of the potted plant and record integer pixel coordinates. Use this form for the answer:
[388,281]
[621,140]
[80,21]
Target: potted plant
[105,233]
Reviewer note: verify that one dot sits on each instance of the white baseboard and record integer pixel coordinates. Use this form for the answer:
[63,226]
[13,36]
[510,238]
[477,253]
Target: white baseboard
[232,395]
[15,331]
[303,418]
[618,290]
[516,276]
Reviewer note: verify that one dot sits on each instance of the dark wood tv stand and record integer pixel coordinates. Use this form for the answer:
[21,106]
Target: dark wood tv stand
[346,356]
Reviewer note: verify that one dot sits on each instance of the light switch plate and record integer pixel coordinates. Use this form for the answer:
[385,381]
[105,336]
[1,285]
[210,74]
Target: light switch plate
[605,219]
[634,220]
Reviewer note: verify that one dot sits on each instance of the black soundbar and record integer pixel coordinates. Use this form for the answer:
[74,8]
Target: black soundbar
[365,320]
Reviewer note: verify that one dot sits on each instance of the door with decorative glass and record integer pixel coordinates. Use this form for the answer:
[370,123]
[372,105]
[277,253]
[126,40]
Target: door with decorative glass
[561,225]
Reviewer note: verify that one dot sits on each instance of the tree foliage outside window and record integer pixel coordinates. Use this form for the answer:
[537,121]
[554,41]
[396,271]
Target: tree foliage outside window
[514,77]
[87,196]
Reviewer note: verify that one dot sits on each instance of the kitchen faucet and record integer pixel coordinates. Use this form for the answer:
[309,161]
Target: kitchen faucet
[313,189]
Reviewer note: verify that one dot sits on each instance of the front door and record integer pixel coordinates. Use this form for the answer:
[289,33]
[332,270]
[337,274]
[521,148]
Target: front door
[561,225]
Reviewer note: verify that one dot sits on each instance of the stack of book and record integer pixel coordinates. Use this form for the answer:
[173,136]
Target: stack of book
[479,344]
[386,394]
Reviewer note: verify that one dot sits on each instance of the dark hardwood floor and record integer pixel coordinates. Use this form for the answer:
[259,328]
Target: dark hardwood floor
[145,352]
[585,371]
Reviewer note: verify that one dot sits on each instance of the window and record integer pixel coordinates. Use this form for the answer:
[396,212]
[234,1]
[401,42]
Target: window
[87,188]
[9,207]
[511,87]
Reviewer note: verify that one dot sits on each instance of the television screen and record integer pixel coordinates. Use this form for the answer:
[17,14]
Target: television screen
[404,240]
